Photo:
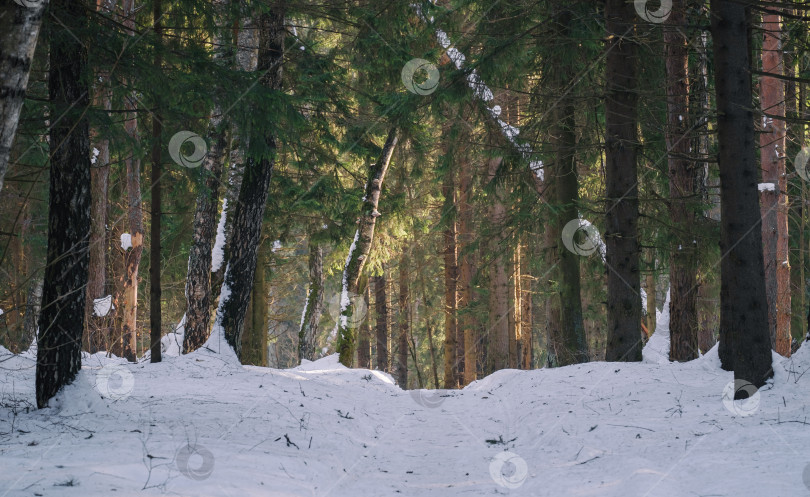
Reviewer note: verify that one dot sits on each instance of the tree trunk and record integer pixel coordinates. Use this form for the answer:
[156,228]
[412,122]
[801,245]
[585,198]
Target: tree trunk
[451,330]
[254,339]
[743,295]
[155,172]
[434,364]
[311,317]
[683,191]
[402,337]
[61,321]
[249,209]
[552,238]
[773,199]
[526,327]
[513,320]
[652,310]
[498,343]
[20,27]
[361,247]
[33,305]
[363,343]
[381,310]
[621,186]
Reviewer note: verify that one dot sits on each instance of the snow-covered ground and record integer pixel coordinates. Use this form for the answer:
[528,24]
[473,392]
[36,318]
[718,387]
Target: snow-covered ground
[202,425]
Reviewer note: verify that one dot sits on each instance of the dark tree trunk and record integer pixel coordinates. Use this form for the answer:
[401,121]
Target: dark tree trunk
[19,26]
[401,369]
[363,340]
[450,283]
[311,318]
[621,185]
[198,281]
[361,247]
[743,300]
[381,311]
[498,336]
[683,191]
[61,321]
[254,339]
[468,335]
[33,304]
[249,209]
[156,172]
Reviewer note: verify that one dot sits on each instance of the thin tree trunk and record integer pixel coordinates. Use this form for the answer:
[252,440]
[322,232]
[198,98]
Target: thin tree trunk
[513,320]
[381,311]
[652,308]
[621,185]
[451,379]
[33,304]
[311,317]
[156,172]
[361,247]
[743,291]
[526,327]
[773,200]
[683,190]
[20,25]
[434,364]
[404,316]
[61,321]
[249,210]
[363,343]
[498,343]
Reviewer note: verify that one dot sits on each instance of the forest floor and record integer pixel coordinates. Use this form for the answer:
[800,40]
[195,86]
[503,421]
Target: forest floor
[203,425]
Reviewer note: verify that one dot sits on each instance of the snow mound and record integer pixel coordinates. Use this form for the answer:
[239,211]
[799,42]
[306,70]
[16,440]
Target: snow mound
[656,351]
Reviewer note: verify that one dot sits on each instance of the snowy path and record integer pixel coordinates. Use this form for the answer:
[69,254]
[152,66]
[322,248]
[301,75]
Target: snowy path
[209,427]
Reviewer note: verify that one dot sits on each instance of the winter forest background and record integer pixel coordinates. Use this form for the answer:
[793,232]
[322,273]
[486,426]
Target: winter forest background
[339,201]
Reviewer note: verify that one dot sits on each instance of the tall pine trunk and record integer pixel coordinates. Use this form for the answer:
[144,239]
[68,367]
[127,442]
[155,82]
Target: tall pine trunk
[773,197]
[361,248]
[156,211]
[364,335]
[401,358]
[311,317]
[381,329]
[743,305]
[19,26]
[254,339]
[683,191]
[450,253]
[498,339]
[61,321]
[249,209]
[621,185]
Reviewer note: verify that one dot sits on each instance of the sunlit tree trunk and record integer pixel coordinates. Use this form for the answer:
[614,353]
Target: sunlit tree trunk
[311,317]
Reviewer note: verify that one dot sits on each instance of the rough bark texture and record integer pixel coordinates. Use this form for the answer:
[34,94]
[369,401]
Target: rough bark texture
[651,304]
[249,209]
[498,336]
[451,379]
[621,186]
[61,321]
[401,358]
[526,293]
[743,300]
[363,339]
[360,249]
[381,328]
[468,327]
[552,239]
[20,27]
[156,210]
[774,201]
[311,318]
[254,339]
[683,191]
[573,348]
[33,305]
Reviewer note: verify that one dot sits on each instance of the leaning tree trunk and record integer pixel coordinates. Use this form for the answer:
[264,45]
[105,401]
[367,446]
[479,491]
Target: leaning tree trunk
[249,209]
[621,185]
[742,270]
[198,279]
[498,343]
[360,249]
[311,317]
[381,331]
[401,358]
[450,283]
[19,25]
[683,191]
[773,195]
[61,321]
